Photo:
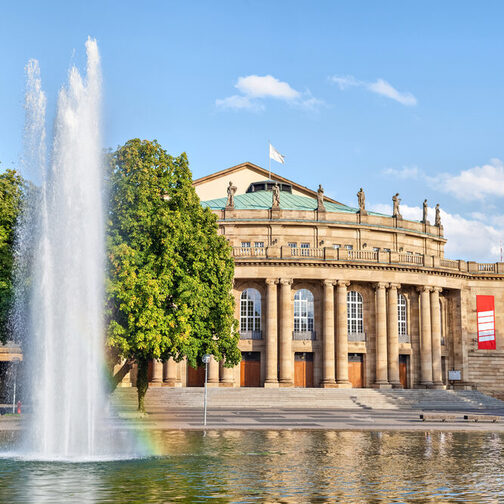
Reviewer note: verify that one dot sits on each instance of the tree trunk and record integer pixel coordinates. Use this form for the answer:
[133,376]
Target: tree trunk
[142,383]
[114,380]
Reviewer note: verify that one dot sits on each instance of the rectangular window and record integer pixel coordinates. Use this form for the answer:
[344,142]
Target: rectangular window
[349,247]
[259,244]
[386,250]
[336,245]
[409,253]
[304,249]
[245,244]
[376,249]
[292,244]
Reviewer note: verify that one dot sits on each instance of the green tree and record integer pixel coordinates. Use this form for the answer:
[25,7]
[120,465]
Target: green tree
[170,273]
[12,188]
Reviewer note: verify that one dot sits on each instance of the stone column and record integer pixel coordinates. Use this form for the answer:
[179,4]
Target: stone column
[328,376]
[381,337]
[271,335]
[213,373]
[437,375]
[286,325]
[425,338]
[227,379]
[170,373]
[342,336]
[393,337]
[157,373]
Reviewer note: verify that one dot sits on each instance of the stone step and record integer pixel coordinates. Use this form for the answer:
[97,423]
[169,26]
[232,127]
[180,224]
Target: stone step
[162,398]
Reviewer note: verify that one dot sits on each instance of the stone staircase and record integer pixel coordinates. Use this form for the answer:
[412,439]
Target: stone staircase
[163,399]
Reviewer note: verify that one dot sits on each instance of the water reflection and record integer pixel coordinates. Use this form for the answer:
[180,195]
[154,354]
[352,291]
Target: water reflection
[276,466]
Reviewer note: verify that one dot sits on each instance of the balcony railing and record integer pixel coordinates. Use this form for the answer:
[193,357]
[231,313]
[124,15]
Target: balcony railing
[255,335]
[404,338]
[487,267]
[363,255]
[307,252]
[249,252]
[381,257]
[303,335]
[411,259]
[357,336]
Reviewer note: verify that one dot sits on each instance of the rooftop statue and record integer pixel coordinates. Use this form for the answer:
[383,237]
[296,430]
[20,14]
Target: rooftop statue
[320,198]
[361,198]
[231,190]
[438,216]
[425,209]
[396,200]
[276,196]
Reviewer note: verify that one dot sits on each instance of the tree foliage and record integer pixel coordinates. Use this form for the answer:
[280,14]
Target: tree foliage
[170,273]
[12,188]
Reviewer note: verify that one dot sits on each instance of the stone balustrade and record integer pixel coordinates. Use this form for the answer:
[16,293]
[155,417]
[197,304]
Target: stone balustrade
[381,257]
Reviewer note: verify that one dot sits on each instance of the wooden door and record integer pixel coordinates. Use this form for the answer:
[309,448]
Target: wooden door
[403,370]
[250,369]
[196,377]
[303,369]
[355,370]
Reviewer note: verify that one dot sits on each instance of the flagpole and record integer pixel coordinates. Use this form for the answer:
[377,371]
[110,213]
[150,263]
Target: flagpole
[269,159]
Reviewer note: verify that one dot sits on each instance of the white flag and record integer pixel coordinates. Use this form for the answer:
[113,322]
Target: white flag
[275,155]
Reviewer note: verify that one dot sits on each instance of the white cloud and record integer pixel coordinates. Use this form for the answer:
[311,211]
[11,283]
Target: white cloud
[381,87]
[384,88]
[238,102]
[468,239]
[406,172]
[256,88]
[475,183]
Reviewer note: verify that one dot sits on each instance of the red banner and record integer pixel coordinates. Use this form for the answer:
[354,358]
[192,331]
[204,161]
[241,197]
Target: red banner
[486,322]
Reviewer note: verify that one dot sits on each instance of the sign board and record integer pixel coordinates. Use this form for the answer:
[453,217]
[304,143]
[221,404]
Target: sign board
[454,375]
[486,322]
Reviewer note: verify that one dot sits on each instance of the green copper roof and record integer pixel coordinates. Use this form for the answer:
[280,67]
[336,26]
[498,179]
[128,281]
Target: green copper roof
[262,200]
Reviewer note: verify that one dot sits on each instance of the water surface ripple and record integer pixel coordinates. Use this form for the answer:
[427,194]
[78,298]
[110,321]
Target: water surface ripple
[275,466]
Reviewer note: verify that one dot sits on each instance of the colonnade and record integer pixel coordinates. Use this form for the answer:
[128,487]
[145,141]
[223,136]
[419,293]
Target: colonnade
[278,340]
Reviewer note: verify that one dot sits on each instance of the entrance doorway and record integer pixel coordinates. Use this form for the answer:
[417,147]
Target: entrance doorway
[403,370]
[303,369]
[355,369]
[196,376]
[250,369]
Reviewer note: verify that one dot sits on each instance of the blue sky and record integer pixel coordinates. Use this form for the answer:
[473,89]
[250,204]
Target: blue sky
[393,96]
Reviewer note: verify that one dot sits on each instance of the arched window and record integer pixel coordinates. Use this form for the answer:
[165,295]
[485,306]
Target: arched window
[402,317]
[354,313]
[250,311]
[303,311]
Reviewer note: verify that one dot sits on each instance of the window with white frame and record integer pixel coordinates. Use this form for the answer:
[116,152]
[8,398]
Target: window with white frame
[336,245]
[304,249]
[259,244]
[354,313]
[245,244]
[292,244]
[250,310]
[303,311]
[402,315]
[349,247]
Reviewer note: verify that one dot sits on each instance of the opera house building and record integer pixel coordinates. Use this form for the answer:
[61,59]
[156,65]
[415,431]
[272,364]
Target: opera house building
[329,295]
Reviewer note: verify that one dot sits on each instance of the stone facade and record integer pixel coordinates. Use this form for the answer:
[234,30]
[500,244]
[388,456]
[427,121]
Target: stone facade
[323,258]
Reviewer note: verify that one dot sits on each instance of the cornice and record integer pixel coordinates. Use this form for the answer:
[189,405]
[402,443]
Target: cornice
[375,267]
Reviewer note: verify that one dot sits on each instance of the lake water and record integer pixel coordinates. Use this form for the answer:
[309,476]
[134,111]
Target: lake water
[274,466]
